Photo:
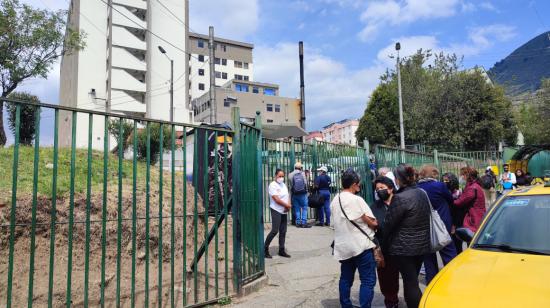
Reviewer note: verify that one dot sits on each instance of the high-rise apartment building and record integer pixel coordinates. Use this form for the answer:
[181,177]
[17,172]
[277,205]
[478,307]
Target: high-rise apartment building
[121,69]
[341,132]
[233,60]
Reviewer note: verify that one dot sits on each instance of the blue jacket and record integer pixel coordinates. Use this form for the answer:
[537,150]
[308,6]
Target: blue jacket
[440,197]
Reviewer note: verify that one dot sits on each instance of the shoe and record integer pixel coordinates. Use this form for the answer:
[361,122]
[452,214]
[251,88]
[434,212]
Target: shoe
[327,224]
[306,226]
[299,226]
[284,254]
[267,254]
[319,224]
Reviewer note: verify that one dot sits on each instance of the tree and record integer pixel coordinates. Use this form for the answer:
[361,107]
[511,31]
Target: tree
[27,123]
[31,40]
[155,142]
[444,107]
[533,115]
[114,130]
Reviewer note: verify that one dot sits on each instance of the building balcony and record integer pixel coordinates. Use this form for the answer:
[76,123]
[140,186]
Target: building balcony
[125,38]
[132,21]
[139,4]
[123,58]
[127,101]
[124,80]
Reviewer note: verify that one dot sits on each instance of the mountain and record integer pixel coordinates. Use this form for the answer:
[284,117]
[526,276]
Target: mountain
[523,69]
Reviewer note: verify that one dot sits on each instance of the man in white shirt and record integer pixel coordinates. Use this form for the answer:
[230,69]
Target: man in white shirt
[352,247]
[507,178]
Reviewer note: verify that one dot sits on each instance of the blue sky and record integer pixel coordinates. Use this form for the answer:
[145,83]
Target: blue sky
[348,42]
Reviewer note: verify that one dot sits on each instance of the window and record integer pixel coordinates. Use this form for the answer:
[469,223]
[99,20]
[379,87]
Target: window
[245,65]
[245,78]
[269,121]
[269,107]
[224,62]
[226,103]
[201,72]
[269,91]
[238,77]
[239,87]
[217,61]
[223,47]
[201,58]
[277,108]
[255,90]
[201,86]
[238,64]
[200,43]
[224,75]
[218,75]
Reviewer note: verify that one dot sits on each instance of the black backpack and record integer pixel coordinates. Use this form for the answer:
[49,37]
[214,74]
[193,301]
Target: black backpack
[299,186]
[487,182]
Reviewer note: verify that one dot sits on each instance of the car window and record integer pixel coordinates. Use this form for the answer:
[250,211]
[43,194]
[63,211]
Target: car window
[519,222]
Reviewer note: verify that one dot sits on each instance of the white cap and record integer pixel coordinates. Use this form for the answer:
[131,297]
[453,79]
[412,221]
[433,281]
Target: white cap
[323,168]
[488,168]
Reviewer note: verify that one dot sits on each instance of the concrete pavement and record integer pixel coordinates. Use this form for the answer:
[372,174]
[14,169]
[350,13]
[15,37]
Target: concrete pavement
[309,278]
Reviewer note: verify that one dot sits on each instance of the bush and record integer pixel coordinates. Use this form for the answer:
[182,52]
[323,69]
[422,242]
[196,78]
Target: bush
[155,144]
[127,129]
[27,129]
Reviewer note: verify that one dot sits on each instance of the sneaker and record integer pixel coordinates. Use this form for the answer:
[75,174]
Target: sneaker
[284,254]
[327,224]
[306,226]
[319,224]
[299,226]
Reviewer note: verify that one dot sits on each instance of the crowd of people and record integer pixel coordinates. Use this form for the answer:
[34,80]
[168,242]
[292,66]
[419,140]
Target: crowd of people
[390,237]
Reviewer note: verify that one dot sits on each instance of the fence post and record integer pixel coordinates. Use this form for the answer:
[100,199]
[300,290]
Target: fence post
[315,158]
[292,155]
[436,159]
[366,145]
[258,125]
[237,240]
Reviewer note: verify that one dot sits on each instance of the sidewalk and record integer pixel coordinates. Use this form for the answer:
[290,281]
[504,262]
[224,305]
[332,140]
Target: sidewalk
[309,278]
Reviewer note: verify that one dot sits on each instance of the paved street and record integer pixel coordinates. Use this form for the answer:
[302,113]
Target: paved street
[308,279]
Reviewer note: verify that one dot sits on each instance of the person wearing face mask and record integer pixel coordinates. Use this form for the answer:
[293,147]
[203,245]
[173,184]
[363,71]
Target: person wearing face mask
[354,226]
[472,199]
[441,200]
[388,274]
[279,204]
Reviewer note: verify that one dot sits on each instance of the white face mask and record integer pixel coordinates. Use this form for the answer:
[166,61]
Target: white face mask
[280,180]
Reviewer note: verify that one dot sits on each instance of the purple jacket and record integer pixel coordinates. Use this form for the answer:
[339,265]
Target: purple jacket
[441,199]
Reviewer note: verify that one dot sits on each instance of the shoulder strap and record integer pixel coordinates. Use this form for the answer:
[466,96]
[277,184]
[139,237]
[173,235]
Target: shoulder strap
[353,222]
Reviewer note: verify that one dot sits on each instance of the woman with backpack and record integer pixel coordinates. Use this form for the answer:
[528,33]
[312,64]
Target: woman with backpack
[472,200]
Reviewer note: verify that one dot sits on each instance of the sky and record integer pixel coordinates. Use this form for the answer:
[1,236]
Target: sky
[348,43]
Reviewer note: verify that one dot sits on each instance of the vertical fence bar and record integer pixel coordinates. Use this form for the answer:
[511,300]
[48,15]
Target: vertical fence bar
[206,203]
[184,285]
[225,201]
[119,211]
[216,192]
[172,211]
[88,206]
[237,242]
[195,210]
[34,201]
[71,210]
[260,222]
[147,214]
[134,215]
[161,176]
[104,210]
[54,209]
[13,201]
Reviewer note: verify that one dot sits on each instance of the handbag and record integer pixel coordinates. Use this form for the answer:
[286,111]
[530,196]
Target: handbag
[378,255]
[439,236]
[315,200]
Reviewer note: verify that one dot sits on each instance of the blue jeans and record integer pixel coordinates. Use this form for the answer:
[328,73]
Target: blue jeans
[299,202]
[367,274]
[324,210]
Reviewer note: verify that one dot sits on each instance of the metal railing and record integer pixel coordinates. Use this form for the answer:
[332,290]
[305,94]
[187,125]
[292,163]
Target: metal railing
[82,225]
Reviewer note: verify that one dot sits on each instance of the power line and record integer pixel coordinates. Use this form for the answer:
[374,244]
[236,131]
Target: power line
[175,16]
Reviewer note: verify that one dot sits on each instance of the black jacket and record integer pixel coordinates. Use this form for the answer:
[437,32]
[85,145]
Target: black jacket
[407,224]
[379,209]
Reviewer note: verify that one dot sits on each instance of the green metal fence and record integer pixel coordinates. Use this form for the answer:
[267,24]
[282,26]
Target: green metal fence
[83,223]
[337,158]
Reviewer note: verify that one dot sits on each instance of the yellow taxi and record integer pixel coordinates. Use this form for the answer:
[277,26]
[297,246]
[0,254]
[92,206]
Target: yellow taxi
[508,261]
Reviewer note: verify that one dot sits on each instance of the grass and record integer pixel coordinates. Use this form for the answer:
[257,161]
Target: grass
[45,171]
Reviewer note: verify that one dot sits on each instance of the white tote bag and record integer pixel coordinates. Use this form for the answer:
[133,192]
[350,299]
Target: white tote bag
[439,236]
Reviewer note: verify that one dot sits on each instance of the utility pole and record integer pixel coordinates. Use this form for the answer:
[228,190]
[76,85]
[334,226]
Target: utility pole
[171,83]
[302,88]
[211,58]
[401,126]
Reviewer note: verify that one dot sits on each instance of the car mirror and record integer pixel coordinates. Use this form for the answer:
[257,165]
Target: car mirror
[465,234]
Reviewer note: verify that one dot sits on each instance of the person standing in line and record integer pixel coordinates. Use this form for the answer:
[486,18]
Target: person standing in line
[442,201]
[457,214]
[472,200]
[298,189]
[507,179]
[279,205]
[407,231]
[488,182]
[322,183]
[354,226]
[521,179]
[388,274]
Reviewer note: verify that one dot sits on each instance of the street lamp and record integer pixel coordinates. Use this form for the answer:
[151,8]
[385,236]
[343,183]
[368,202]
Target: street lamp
[171,83]
[401,128]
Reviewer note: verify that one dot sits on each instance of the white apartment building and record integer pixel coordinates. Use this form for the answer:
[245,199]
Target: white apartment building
[233,60]
[341,132]
[121,69]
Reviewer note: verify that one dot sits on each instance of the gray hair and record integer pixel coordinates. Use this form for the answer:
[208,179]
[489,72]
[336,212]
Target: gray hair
[384,170]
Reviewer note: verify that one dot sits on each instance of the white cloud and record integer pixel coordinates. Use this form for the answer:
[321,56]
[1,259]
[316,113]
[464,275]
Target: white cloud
[409,46]
[468,7]
[333,91]
[488,6]
[390,12]
[48,4]
[234,19]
